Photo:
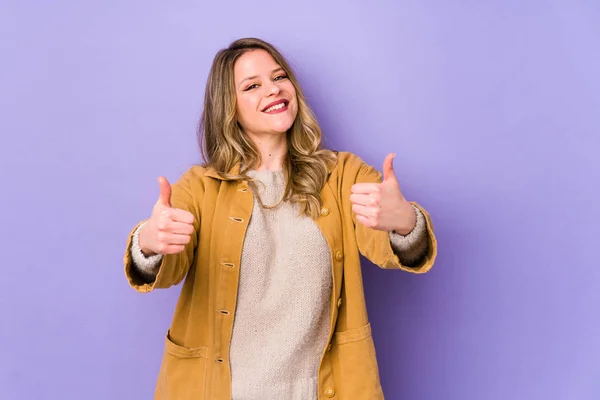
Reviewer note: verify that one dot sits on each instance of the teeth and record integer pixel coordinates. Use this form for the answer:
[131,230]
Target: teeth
[276,107]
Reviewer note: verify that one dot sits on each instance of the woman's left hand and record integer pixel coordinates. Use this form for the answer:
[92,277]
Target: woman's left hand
[382,206]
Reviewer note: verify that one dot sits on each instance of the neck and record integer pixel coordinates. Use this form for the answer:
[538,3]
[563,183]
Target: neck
[272,148]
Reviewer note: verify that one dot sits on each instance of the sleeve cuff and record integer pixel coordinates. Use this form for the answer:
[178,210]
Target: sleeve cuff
[412,247]
[146,265]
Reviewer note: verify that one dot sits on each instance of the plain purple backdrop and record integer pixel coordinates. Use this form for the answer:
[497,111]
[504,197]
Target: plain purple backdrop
[492,107]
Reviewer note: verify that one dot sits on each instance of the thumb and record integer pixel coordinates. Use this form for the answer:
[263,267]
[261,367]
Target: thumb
[388,169]
[165,192]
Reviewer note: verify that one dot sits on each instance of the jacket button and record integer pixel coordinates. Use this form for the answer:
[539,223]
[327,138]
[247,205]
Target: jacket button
[324,211]
[339,256]
[330,392]
[339,302]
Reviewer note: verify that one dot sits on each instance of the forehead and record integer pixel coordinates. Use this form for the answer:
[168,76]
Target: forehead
[254,62]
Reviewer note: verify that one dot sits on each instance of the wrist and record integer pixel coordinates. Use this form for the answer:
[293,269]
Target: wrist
[143,247]
[408,221]
[146,252]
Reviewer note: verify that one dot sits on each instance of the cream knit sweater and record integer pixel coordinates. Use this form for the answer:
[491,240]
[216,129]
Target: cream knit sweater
[282,317]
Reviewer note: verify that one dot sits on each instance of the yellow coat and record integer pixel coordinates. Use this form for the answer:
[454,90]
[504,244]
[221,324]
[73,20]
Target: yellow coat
[195,362]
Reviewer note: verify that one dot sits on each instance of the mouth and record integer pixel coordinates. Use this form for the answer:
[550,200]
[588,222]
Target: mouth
[276,107]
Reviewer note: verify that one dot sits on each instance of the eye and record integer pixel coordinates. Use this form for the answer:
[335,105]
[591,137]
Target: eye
[280,77]
[251,87]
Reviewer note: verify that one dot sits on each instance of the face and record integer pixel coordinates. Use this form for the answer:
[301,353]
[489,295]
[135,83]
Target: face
[266,98]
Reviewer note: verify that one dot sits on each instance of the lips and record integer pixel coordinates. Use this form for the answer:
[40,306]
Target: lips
[273,106]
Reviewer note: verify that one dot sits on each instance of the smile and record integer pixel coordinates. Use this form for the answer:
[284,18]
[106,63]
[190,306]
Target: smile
[278,106]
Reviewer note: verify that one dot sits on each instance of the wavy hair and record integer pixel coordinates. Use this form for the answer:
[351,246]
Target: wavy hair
[224,145]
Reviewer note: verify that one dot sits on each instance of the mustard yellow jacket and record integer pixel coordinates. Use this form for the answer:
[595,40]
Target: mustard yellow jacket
[195,362]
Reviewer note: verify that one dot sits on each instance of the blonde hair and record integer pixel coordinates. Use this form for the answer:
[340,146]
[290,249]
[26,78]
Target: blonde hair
[224,145]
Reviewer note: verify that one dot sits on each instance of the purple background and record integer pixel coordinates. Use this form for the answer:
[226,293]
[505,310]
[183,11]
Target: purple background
[493,109]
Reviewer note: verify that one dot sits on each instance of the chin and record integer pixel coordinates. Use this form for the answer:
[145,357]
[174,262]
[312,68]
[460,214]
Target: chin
[282,127]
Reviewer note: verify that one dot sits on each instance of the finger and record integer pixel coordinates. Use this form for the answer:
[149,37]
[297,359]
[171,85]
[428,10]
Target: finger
[365,221]
[362,199]
[388,168]
[179,215]
[167,224]
[164,197]
[171,249]
[365,188]
[180,228]
[362,210]
[170,239]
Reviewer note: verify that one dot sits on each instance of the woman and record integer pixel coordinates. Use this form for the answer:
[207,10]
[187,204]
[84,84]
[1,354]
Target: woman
[267,235]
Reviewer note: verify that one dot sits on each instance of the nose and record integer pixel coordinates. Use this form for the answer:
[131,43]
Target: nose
[273,89]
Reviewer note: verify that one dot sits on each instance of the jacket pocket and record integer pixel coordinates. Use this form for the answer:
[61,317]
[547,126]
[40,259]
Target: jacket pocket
[356,372]
[182,373]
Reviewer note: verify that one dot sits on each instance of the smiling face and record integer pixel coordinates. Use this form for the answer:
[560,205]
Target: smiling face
[266,100]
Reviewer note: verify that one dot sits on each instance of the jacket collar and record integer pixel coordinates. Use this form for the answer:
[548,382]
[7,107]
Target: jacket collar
[235,170]
[213,173]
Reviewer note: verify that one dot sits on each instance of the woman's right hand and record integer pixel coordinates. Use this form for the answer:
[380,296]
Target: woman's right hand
[169,229]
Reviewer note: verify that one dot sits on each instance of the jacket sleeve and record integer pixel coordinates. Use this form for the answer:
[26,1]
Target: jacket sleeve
[147,266]
[173,267]
[375,245]
[411,248]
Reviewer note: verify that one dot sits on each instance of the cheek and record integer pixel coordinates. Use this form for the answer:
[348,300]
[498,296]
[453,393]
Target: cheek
[243,109]
[294,109]
[290,90]
[292,94]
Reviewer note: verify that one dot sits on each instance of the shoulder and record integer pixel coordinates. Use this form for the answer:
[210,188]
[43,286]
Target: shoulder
[351,165]
[344,157]
[194,177]
[196,172]
[193,173]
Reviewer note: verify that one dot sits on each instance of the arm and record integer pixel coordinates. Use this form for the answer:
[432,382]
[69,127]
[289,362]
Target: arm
[394,214]
[174,264]
[145,266]
[411,248]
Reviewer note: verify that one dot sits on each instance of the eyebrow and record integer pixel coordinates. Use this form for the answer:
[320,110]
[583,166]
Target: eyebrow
[256,76]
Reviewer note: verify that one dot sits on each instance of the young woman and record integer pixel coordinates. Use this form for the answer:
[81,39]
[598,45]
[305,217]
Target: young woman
[267,235]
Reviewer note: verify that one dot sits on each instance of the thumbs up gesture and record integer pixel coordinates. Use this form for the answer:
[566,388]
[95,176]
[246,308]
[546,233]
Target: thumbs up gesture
[382,206]
[169,229]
